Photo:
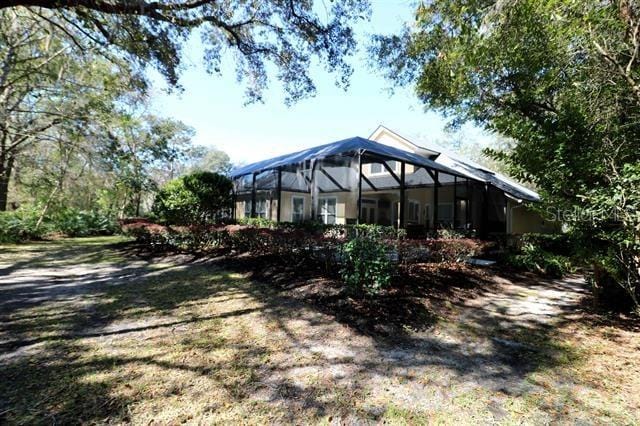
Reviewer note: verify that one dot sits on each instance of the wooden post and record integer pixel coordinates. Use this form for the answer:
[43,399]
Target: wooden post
[253,195]
[359,187]
[401,210]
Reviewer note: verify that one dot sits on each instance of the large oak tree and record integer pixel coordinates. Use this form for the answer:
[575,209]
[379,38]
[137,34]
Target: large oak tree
[285,33]
[560,77]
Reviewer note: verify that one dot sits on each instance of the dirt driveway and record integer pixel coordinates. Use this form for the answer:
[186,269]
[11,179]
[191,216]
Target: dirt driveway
[89,333]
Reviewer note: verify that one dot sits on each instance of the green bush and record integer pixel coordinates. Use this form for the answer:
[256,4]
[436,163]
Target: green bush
[258,222]
[366,266]
[201,197]
[375,231]
[74,223]
[21,225]
[560,244]
[533,258]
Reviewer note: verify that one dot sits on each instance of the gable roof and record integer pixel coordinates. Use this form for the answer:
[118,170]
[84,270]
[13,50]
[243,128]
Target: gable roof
[341,147]
[465,167]
[381,132]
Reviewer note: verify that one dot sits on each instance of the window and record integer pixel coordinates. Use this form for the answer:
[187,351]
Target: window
[261,208]
[297,209]
[378,168]
[427,215]
[368,211]
[461,213]
[413,212]
[328,210]
[445,212]
[247,208]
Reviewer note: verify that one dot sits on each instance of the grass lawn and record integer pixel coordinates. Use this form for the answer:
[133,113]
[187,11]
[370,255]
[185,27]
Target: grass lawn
[90,333]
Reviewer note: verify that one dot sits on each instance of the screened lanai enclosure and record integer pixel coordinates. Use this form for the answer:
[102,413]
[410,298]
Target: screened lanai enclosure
[361,181]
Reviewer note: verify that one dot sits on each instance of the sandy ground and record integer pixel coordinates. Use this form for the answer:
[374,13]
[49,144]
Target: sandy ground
[509,355]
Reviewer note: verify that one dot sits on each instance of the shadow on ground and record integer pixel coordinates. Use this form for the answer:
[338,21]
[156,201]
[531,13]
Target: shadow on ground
[90,334]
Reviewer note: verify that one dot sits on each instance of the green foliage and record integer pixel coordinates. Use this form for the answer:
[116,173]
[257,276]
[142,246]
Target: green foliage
[366,267]
[209,159]
[200,197]
[561,244]
[174,203]
[75,223]
[54,93]
[259,222]
[535,259]
[22,225]
[559,77]
[257,36]
[376,231]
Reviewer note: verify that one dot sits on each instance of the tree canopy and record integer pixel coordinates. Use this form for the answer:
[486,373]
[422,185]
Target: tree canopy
[285,34]
[560,77]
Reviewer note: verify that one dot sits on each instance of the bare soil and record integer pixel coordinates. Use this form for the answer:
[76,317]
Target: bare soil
[95,331]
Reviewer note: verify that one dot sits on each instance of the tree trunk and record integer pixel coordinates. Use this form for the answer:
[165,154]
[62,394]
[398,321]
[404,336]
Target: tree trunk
[5,176]
[138,201]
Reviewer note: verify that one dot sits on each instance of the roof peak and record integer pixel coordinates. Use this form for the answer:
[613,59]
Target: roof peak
[382,129]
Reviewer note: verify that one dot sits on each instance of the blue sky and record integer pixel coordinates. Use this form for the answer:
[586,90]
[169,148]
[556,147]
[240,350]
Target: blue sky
[215,105]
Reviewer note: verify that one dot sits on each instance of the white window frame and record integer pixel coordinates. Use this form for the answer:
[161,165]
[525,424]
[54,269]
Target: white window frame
[324,217]
[247,212]
[267,208]
[427,214]
[384,170]
[372,202]
[417,219]
[293,198]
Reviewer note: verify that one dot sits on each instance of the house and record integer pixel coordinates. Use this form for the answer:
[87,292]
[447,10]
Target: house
[387,180]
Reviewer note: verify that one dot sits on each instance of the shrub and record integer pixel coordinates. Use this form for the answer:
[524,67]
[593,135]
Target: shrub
[22,224]
[366,266]
[454,250]
[258,222]
[74,223]
[560,244]
[200,197]
[375,231]
[533,258]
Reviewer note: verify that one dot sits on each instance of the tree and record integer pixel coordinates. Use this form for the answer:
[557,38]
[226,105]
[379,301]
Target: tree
[286,34]
[141,150]
[46,84]
[560,77]
[200,197]
[208,159]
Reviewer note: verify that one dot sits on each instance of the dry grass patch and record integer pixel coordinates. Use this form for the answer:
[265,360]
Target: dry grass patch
[177,340]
